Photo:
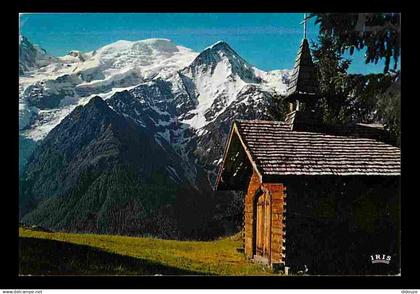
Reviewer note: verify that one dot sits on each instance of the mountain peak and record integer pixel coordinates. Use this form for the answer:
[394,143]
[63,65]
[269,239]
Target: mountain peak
[222,47]
[219,45]
[97,102]
[215,53]
[22,39]
[31,56]
[228,61]
[146,46]
[96,105]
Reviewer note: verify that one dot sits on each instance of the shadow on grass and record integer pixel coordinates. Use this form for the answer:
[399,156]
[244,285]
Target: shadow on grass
[50,257]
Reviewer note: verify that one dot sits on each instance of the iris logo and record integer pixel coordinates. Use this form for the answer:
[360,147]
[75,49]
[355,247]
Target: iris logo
[380,258]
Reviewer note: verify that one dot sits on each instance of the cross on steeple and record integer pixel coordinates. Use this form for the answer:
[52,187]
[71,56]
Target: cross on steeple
[305,20]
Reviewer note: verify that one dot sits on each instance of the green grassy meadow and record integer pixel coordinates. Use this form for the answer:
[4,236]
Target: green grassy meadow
[45,253]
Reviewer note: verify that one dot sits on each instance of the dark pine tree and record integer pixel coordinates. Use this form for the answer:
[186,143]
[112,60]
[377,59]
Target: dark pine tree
[376,33]
[353,98]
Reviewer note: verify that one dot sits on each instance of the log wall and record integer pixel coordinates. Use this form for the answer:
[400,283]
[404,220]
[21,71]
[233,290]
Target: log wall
[275,239]
[254,185]
[277,222]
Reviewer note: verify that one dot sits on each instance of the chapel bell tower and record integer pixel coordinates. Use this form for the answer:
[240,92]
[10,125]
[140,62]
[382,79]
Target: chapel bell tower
[303,89]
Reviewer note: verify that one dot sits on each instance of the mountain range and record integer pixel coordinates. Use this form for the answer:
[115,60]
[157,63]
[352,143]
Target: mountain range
[127,139]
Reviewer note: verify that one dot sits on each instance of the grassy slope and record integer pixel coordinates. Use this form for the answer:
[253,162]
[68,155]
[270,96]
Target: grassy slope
[65,253]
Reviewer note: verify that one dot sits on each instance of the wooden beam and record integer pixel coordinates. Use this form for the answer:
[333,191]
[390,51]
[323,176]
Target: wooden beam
[225,153]
[248,152]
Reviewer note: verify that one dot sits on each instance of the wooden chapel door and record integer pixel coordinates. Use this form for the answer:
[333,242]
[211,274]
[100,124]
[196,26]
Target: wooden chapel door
[260,224]
[263,227]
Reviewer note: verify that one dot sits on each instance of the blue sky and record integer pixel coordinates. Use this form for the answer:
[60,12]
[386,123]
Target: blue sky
[266,40]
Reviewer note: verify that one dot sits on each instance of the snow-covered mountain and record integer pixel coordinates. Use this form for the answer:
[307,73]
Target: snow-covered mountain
[199,87]
[49,93]
[32,57]
[185,100]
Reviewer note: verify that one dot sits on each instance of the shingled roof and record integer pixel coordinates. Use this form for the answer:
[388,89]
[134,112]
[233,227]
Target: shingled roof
[273,149]
[303,83]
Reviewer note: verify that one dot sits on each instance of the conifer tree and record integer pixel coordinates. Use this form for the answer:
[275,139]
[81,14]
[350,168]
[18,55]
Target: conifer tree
[355,97]
[378,34]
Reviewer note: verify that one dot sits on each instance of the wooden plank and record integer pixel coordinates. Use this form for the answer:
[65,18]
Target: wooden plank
[278,210]
[253,186]
[277,253]
[274,188]
[277,238]
[276,257]
[277,230]
[268,220]
[277,249]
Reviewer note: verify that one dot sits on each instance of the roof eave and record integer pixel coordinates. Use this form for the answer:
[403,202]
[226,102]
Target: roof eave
[234,130]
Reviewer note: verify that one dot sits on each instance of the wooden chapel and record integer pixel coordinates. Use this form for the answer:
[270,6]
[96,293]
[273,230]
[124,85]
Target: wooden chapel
[317,199]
